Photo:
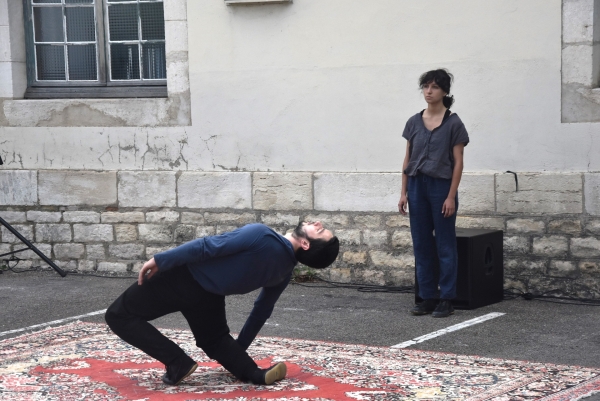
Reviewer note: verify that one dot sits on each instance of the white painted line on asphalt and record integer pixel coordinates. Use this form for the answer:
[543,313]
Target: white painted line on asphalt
[447,330]
[37,326]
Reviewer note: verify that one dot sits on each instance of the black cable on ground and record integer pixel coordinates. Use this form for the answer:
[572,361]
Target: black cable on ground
[130,277]
[70,272]
[12,268]
[358,287]
[511,293]
[317,282]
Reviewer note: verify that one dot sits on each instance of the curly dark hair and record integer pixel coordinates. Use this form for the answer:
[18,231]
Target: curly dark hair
[443,79]
[320,254]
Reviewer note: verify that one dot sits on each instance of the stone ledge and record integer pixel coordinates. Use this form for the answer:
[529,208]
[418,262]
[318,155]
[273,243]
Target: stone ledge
[90,188]
[282,191]
[592,193]
[476,194]
[357,192]
[19,187]
[540,194]
[147,189]
[216,190]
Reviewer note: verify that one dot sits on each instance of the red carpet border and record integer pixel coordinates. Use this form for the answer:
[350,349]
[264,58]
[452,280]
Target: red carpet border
[85,361]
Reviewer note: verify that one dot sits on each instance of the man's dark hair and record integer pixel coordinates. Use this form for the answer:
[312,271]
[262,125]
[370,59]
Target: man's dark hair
[320,254]
[443,79]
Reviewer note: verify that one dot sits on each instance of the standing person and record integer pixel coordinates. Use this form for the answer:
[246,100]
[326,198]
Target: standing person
[432,170]
[194,279]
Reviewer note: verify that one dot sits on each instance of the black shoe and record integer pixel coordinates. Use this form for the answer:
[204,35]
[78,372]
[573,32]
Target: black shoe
[275,373]
[424,308]
[179,370]
[444,309]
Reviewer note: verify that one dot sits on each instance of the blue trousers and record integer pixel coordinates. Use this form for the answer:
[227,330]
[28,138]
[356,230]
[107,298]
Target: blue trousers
[426,196]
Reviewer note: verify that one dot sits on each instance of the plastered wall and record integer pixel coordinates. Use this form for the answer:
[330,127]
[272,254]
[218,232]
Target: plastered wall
[326,86]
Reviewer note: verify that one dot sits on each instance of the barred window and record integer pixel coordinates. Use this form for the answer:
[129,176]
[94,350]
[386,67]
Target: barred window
[95,48]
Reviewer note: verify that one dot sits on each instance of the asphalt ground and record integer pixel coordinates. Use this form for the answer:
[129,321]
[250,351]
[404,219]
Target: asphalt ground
[529,330]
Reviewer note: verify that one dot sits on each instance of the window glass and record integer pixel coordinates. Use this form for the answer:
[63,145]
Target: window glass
[148,38]
[123,22]
[81,26]
[48,24]
[50,62]
[154,61]
[153,21]
[66,43]
[82,62]
[124,61]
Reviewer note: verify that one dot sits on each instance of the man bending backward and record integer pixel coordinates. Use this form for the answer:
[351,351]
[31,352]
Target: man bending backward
[194,279]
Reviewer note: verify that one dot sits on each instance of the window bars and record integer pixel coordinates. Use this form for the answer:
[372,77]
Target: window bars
[84,41]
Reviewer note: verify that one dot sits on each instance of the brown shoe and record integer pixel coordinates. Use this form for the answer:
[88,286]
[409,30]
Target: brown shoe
[275,373]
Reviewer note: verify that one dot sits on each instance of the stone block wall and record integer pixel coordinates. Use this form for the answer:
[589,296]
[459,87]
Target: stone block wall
[112,221]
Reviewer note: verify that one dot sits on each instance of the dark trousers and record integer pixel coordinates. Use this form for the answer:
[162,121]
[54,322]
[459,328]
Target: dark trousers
[176,290]
[426,196]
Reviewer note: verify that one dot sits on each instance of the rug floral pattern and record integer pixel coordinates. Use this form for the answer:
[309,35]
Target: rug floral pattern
[85,361]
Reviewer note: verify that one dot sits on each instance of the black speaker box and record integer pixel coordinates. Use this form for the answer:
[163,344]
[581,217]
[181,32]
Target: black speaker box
[480,280]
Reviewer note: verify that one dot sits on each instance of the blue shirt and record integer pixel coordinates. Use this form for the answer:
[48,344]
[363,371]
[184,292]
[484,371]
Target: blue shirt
[238,262]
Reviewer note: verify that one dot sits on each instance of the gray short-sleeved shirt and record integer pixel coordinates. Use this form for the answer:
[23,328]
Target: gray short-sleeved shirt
[431,151]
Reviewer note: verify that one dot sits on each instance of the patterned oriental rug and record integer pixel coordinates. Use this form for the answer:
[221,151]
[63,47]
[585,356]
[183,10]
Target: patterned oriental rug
[85,361]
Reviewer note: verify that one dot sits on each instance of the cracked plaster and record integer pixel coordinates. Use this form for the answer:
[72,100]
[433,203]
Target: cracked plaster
[286,118]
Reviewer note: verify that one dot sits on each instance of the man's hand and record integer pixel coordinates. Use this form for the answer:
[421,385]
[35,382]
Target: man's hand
[148,270]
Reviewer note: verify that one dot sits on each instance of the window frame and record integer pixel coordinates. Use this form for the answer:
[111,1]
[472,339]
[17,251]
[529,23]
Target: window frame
[104,87]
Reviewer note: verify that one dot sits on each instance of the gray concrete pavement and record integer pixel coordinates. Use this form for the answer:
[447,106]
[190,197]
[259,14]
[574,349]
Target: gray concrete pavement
[528,330]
